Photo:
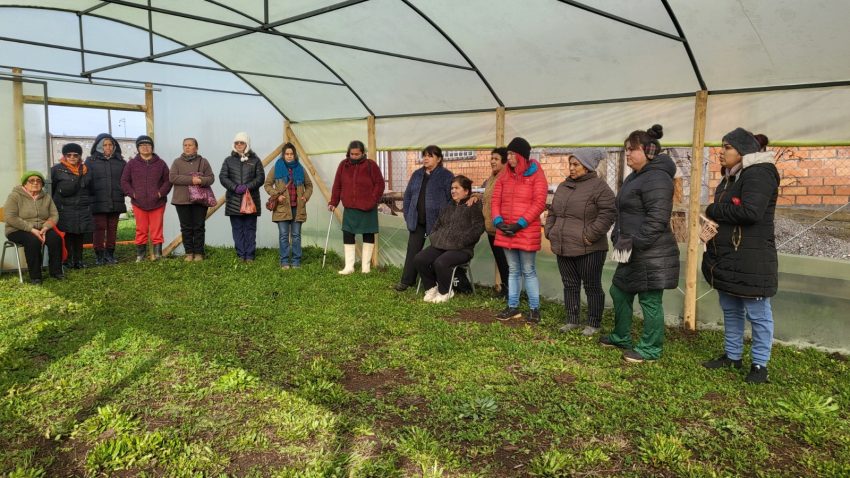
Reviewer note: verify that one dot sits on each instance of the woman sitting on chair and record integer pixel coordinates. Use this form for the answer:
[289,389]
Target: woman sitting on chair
[453,240]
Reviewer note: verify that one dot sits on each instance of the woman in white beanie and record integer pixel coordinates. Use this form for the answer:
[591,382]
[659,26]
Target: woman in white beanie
[242,173]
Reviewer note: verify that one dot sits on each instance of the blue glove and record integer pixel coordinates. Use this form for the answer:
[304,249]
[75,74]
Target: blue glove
[241,189]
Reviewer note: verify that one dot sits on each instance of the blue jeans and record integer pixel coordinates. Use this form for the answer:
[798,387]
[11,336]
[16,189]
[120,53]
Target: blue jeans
[521,266]
[285,228]
[735,311]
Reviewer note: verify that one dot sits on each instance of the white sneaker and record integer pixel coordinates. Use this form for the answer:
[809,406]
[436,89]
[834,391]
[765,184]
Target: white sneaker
[431,293]
[440,298]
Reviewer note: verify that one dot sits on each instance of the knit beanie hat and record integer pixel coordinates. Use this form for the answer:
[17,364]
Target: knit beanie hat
[243,136]
[72,148]
[743,141]
[520,146]
[144,139]
[30,174]
[590,157]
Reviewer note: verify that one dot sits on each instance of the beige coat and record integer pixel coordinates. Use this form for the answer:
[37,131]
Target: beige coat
[487,199]
[284,211]
[23,213]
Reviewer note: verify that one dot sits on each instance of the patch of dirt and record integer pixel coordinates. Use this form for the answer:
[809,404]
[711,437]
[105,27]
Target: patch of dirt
[242,463]
[379,382]
[483,316]
[838,357]
[714,397]
[68,457]
[509,461]
[564,378]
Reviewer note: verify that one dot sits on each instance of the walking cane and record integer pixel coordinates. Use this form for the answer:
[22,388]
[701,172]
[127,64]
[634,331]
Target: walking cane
[328,236]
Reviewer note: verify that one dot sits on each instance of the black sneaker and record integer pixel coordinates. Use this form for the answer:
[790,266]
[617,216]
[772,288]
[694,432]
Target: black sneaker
[401,287]
[509,313]
[722,362]
[633,356]
[605,341]
[758,374]
[533,316]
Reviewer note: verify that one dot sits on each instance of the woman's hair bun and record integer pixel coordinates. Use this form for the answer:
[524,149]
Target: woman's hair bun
[762,139]
[656,131]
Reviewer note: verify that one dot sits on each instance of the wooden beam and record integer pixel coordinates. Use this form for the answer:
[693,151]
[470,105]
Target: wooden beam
[287,138]
[149,109]
[18,120]
[500,126]
[372,146]
[693,257]
[39,100]
[179,239]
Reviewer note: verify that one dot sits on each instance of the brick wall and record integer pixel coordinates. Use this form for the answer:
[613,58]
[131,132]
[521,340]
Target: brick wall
[810,176]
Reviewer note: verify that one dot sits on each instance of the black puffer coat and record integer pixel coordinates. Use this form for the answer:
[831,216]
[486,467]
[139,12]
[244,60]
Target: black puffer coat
[235,172]
[644,206]
[741,259]
[105,187]
[71,196]
[458,227]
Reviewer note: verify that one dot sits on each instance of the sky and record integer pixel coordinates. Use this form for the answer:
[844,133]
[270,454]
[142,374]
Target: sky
[69,121]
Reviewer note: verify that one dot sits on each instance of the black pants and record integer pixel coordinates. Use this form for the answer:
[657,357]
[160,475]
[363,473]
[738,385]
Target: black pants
[415,243]
[32,251]
[74,245]
[244,229]
[435,267]
[193,218]
[501,262]
[586,269]
[349,237]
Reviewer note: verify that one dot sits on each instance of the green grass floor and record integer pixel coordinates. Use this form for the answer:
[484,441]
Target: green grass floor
[225,369]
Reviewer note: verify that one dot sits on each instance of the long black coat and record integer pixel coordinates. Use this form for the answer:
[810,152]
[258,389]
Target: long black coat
[233,173]
[644,207]
[741,259]
[71,196]
[105,186]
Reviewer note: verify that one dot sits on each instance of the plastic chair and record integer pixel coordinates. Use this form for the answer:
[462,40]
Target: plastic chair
[466,266]
[7,244]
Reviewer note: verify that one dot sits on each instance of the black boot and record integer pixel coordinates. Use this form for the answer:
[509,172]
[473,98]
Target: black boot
[100,257]
[157,252]
[140,253]
[110,256]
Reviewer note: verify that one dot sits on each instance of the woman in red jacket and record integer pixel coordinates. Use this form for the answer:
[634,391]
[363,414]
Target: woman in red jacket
[519,198]
[360,185]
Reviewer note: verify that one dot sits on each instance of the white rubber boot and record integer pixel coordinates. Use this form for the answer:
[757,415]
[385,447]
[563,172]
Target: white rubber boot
[366,258]
[349,259]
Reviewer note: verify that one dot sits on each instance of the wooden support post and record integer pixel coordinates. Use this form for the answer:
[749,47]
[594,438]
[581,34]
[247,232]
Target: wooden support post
[500,126]
[308,163]
[287,136]
[149,109]
[18,119]
[372,146]
[179,239]
[693,257]
[107,105]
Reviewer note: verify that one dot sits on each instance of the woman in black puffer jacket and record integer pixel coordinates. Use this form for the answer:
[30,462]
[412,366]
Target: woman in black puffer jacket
[70,182]
[242,172]
[107,198]
[644,246]
[741,260]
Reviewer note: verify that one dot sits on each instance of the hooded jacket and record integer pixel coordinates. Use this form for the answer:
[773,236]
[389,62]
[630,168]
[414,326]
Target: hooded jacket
[23,213]
[438,193]
[741,259]
[234,172]
[582,209]
[146,182]
[106,194]
[458,227]
[644,207]
[71,196]
[519,197]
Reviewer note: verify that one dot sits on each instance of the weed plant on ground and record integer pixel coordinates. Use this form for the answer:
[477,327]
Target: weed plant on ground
[220,368]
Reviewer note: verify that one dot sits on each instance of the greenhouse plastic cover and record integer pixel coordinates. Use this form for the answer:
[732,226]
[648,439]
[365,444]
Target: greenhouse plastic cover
[564,70]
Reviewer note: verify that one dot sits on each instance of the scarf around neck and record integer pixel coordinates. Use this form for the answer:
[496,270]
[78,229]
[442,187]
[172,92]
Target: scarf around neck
[75,168]
[289,171]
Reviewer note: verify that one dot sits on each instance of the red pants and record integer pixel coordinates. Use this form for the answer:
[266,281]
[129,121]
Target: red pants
[148,224]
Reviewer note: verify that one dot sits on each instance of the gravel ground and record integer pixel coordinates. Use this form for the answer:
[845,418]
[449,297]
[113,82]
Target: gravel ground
[823,240]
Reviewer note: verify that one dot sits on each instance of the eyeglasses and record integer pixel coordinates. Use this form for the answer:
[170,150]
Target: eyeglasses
[239,142]
[34,181]
[72,155]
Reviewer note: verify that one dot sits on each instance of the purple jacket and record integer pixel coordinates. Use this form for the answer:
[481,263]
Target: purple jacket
[146,182]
